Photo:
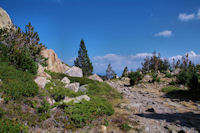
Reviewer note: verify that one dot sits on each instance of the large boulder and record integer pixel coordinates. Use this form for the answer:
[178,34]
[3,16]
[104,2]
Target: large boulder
[5,21]
[41,81]
[41,72]
[95,77]
[83,88]
[54,63]
[74,72]
[65,80]
[73,86]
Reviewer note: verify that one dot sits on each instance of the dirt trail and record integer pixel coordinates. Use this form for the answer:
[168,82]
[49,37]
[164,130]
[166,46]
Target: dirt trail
[155,113]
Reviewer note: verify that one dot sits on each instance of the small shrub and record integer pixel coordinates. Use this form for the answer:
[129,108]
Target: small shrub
[193,84]
[8,126]
[172,82]
[168,75]
[44,110]
[125,127]
[183,77]
[106,122]
[155,78]
[135,77]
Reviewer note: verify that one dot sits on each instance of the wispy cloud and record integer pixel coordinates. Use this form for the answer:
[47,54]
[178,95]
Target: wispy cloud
[165,33]
[198,14]
[186,17]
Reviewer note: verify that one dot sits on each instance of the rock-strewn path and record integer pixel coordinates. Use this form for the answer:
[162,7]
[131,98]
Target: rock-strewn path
[156,113]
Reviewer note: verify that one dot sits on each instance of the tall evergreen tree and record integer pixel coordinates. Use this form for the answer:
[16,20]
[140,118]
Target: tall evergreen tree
[110,74]
[83,60]
[125,72]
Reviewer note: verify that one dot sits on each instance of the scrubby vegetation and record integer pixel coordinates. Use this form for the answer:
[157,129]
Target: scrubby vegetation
[16,83]
[135,77]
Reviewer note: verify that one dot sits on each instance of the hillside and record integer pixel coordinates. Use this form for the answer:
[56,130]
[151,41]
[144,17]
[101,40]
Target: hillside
[39,93]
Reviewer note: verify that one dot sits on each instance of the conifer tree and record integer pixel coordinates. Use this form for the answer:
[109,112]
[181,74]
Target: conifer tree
[83,60]
[110,74]
[125,72]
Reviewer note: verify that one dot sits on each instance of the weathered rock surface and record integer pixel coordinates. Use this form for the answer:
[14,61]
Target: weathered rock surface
[147,78]
[74,72]
[41,81]
[83,88]
[73,86]
[95,77]
[65,80]
[54,63]
[42,73]
[76,99]
[5,21]
[50,100]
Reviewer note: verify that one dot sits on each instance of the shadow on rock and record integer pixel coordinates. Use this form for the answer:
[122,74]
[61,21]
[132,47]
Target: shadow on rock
[188,119]
[183,95]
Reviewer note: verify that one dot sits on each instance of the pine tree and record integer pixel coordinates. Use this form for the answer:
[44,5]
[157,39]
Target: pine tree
[83,60]
[110,74]
[125,72]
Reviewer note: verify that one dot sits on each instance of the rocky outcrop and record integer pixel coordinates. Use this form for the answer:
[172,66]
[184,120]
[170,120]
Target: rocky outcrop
[65,80]
[54,63]
[176,71]
[73,86]
[5,21]
[74,72]
[83,88]
[41,72]
[95,77]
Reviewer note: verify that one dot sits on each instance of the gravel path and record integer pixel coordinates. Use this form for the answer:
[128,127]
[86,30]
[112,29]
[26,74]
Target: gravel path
[156,113]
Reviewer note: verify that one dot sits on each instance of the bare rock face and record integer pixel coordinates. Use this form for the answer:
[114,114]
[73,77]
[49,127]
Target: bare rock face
[74,72]
[54,63]
[41,72]
[41,81]
[5,21]
[65,80]
[73,86]
[95,77]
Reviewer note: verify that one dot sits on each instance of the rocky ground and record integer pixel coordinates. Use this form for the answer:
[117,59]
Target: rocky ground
[150,111]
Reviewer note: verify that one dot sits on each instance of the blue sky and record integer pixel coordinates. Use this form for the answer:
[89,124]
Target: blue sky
[120,32]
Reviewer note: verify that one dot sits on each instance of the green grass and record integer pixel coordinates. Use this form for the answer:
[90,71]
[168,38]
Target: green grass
[170,89]
[9,126]
[16,83]
[125,127]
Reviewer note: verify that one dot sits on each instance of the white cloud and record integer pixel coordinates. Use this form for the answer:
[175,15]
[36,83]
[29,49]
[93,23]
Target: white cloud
[198,14]
[186,17]
[165,33]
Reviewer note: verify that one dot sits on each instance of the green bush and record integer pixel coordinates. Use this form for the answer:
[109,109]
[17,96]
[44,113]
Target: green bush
[155,78]
[80,114]
[183,77]
[44,110]
[22,58]
[16,83]
[194,84]
[8,126]
[172,82]
[135,77]
[168,75]
[125,127]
